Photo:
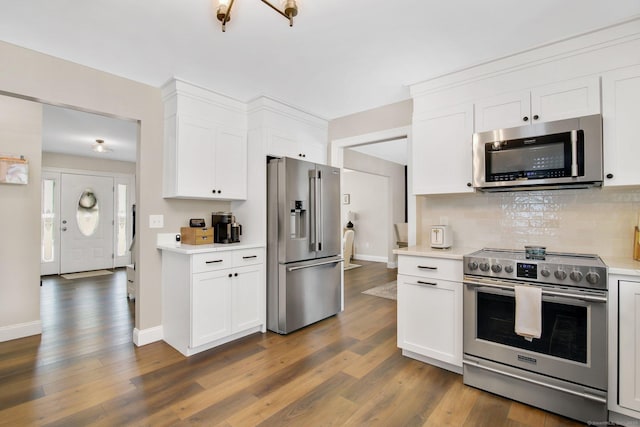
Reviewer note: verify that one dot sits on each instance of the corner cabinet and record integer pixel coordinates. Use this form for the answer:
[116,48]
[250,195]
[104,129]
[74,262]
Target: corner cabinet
[211,298]
[624,349]
[430,310]
[558,101]
[205,144]
[441,151]
[620,126]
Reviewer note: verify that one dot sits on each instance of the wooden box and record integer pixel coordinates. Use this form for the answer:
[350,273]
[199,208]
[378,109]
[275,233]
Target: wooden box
[196,236]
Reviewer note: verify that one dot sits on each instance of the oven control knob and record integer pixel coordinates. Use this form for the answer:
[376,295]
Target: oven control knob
[509,269]
[560,274]
[545,272]
[575,275]
[472,265]
[496,268]
[484,266]
[593,278]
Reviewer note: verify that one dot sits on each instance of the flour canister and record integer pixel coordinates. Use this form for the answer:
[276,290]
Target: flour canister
[441,236]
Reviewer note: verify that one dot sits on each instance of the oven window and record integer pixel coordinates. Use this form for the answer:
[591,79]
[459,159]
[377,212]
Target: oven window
[564,327]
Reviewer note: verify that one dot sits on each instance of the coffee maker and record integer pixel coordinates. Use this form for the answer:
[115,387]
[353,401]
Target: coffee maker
[225,228]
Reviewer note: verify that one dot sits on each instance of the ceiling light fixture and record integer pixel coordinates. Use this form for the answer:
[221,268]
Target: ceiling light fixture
[224,10]
[99,147]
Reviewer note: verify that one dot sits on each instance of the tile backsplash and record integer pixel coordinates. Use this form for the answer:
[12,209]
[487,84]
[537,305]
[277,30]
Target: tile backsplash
[596,220]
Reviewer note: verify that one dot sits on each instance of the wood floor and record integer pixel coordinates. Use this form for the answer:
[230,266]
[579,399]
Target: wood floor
[345,370]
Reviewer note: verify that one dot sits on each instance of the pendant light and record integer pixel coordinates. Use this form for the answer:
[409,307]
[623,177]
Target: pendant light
[223,12]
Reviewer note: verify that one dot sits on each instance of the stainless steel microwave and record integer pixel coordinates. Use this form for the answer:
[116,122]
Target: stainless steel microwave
[559,154]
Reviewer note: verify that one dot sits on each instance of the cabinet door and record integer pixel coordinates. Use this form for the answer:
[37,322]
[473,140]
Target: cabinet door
[441,151]
[248,297]
[503,111]
[281,145]
[430,318]
[230,166]
[629,345]
[194,158]
[564,100]
[210,310]
[621,126]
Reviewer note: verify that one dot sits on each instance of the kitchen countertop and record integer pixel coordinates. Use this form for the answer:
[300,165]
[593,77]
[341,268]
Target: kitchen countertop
[426,250]
[199,249]
[622,265]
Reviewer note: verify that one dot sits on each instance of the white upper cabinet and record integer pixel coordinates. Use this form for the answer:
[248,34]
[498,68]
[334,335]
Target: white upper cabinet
[281,145]
[205,146]
[621,126]
[441,151]
[558,101]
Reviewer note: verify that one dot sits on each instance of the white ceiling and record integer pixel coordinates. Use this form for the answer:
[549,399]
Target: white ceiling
[340,57]
[75,132]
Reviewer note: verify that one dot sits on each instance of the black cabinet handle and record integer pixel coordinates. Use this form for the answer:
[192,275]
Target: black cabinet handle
[230,274]
[213,191]
[609,175]
[525,119]
[250,256]
[236,274]
[427,283]
[427,267]
[214,261]
[469,184]
[536,117]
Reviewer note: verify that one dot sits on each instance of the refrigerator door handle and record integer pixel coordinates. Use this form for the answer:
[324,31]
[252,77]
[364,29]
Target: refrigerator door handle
[313,228]
[335,261]
[320,218]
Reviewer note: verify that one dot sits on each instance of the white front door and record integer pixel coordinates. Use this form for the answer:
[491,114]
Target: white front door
[86,223]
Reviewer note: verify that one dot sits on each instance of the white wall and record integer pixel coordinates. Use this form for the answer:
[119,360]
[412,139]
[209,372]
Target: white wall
[394,207]
[369,199]
[66,161]
[20,134]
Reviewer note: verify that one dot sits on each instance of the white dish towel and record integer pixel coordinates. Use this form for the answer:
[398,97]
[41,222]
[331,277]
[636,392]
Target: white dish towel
[528,312]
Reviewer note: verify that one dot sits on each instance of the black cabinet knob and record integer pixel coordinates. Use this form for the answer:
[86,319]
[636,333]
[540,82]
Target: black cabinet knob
[213,191]
[236,274]
[469,184]
[536,117]
[525,119]
[609,175]
[230,275]
[219,191]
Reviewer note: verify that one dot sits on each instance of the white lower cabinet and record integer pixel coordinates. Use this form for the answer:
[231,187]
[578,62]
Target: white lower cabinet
[624,349]
[430,315]
[212,298]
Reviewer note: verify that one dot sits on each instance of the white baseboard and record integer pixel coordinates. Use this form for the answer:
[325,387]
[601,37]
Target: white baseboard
[147,336]
[20,330]
[371,258]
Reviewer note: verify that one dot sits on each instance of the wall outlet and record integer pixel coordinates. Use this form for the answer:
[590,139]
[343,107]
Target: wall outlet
[156,221]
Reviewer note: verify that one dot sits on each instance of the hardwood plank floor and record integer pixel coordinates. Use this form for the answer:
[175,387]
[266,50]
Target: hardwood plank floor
[346,370]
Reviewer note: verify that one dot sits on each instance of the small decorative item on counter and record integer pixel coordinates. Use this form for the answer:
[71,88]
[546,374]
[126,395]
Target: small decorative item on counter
[14,170]
[196,236]
[535,252]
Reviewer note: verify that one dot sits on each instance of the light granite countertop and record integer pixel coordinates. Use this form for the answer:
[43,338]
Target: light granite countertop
[181,248]
[622,265]
[454,252]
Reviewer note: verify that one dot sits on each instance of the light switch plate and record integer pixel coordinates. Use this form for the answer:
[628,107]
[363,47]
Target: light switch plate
[156,221]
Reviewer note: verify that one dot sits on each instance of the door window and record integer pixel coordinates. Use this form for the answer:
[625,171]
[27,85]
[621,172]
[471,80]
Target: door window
[47,252]
[88,213]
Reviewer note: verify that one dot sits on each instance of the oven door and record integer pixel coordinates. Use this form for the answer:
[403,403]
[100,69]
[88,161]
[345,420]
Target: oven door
[573,343]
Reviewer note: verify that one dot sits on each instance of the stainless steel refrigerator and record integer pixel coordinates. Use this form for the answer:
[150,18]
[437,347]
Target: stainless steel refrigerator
[304,266]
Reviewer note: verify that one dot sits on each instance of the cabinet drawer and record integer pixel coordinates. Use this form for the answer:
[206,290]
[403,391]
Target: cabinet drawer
[211,261]
[435,268]
[248,257]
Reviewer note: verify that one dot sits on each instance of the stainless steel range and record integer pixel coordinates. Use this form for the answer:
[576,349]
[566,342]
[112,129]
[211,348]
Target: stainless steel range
[565,370]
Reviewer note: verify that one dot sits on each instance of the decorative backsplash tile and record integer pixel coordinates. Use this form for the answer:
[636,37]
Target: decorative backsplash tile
[596,220]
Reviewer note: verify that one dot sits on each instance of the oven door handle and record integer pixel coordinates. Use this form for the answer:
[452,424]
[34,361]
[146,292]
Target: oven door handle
[587,298]
[536,382]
